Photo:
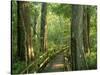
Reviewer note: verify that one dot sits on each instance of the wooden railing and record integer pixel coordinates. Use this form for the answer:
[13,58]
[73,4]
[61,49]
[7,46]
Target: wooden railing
[40,63]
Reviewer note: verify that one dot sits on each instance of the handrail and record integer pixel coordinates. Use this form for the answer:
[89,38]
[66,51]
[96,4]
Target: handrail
[43,58]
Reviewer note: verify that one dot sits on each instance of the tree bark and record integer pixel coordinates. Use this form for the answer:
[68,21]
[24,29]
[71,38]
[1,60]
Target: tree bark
[35,22]
[43,31]
[77,48]
[86,30]
[25,46]
[20,33]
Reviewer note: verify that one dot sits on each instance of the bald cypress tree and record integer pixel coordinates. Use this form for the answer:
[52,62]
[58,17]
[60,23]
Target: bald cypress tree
[86,30]
[25,46]
[43,31]
[77,47]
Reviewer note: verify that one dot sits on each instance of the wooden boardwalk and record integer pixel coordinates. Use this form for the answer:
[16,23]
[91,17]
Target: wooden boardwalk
[56,64]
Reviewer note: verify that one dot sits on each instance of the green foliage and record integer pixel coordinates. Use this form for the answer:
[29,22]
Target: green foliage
[92,10]
[92,60]
[61,9]
[17,67]
[93,34]
[14,28]
[59,33]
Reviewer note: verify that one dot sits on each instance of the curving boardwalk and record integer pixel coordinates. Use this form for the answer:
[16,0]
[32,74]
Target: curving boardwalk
[56,64]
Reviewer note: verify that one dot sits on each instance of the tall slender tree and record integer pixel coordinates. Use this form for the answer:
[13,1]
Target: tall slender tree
[43,31]
[86,30]
[25,46]
[36,14]
[88,24]
[77,48]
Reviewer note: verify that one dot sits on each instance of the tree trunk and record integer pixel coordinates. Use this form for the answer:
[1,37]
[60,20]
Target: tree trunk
[77,48]
[86,30]
[20,33]
[35,22]
[88,25]
[25,46]
[43,32]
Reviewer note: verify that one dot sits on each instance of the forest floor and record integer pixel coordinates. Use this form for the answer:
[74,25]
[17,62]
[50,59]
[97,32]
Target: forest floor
[56,64]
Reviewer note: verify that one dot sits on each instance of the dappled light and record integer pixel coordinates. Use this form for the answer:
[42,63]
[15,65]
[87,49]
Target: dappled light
[58,65]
